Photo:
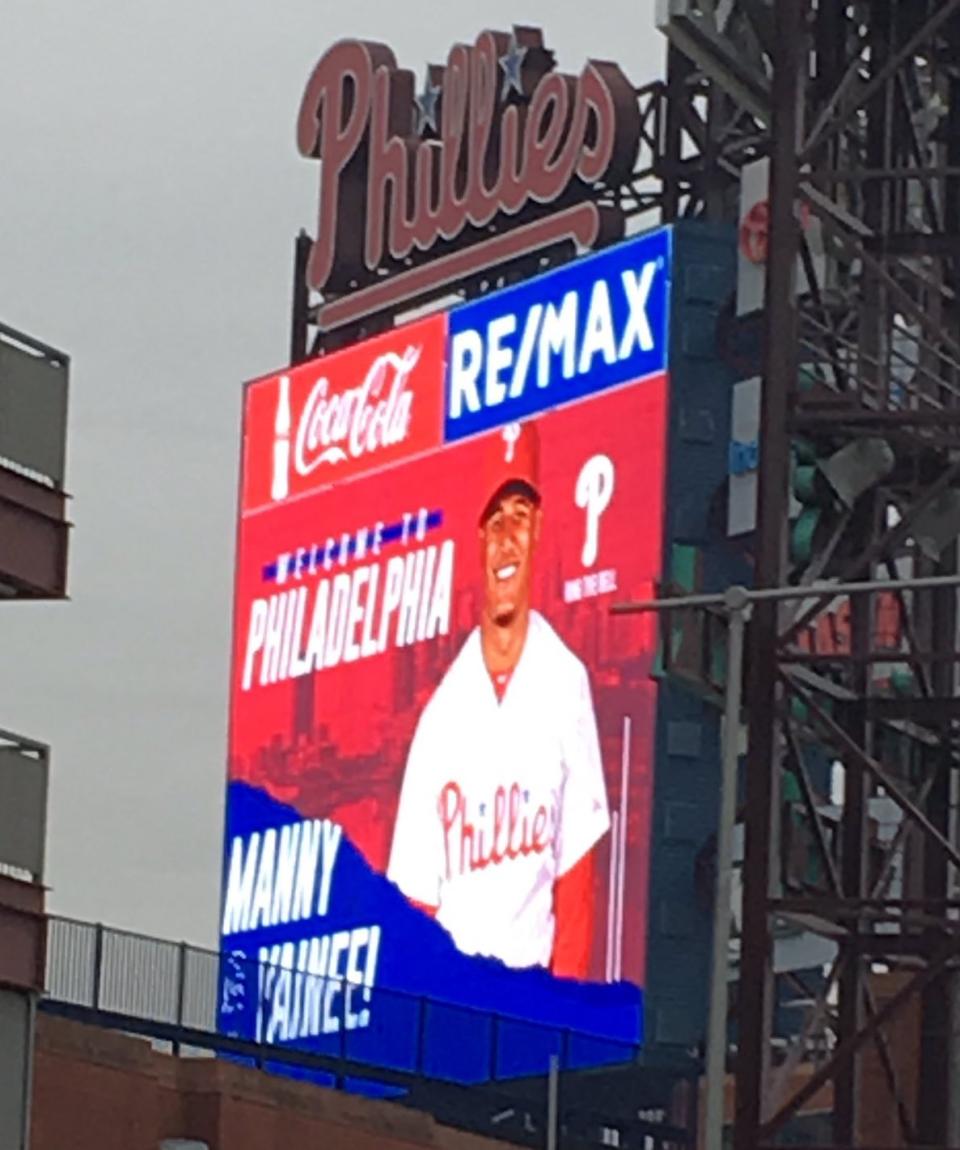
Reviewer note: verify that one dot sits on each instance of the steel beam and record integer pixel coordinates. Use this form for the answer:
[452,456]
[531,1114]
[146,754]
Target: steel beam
[847,1049]
[850,748]
[933,1092]
[851,985]
[779,382]
[946,10]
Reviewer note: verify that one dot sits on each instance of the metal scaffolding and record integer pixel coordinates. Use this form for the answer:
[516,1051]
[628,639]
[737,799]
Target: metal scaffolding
[858,107]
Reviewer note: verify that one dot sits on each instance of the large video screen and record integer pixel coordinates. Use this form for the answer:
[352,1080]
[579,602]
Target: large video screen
[441,744]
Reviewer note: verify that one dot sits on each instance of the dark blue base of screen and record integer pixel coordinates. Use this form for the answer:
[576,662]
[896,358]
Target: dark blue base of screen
[433,1011]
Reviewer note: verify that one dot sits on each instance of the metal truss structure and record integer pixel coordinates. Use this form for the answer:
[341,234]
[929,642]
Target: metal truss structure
[858,107]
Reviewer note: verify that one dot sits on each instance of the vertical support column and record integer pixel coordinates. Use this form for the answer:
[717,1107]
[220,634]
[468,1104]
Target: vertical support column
[779,382]
[299,314]
[97,965]
[852,871]
[181,991]
[830,55]
[553,1103]
[874,363]
[935,1088]
[951,207]
[951,225]
[716,1067]
[679,71]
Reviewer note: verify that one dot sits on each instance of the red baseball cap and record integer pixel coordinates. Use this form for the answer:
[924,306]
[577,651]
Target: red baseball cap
[512,458]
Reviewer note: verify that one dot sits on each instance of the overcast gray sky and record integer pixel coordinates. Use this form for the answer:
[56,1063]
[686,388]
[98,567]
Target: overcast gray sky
[150,190]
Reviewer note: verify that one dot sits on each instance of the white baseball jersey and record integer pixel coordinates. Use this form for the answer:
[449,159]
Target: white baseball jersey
[500,799]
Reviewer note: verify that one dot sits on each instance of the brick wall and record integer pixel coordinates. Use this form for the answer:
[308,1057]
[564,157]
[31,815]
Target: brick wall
[94,1090]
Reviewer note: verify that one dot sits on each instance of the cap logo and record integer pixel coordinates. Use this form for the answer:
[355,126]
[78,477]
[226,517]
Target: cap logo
[511,433]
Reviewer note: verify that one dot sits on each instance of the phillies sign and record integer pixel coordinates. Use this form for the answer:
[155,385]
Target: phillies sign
[500,156]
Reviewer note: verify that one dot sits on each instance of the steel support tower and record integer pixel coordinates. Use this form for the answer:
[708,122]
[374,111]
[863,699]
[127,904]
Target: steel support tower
[858,107]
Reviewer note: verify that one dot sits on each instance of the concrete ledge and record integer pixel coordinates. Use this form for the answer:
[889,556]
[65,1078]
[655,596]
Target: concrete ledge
[23,935]
[34,533]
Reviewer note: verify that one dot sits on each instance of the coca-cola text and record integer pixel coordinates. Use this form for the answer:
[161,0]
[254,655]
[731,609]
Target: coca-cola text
[351,423]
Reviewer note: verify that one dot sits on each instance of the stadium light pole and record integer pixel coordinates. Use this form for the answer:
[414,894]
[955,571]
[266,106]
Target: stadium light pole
[737,602]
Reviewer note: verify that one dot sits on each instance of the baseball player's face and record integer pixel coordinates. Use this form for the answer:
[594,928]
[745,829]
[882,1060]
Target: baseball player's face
[508,540]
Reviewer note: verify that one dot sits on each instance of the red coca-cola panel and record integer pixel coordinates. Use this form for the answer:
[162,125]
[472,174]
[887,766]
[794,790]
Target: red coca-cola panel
[350,412]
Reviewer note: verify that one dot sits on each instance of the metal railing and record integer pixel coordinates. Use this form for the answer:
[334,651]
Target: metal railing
[125,975]
[504,1084]
[114,971]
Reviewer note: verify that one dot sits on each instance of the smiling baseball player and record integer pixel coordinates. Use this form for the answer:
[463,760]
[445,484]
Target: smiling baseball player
[503,799]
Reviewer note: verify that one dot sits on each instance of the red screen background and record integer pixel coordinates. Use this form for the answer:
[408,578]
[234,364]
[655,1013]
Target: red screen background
[334,744]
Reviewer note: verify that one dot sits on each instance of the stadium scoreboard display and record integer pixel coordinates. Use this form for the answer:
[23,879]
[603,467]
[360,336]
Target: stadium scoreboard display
[442,747]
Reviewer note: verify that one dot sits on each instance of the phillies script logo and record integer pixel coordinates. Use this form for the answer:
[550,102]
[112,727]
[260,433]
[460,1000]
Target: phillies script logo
[467,170]
[506,829]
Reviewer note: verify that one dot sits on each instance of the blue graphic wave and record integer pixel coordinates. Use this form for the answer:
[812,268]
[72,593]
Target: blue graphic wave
[433,1010]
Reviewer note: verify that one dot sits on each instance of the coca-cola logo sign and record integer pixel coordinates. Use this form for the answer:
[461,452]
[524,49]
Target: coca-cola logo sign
[500,155]
[348,424]
[342,414]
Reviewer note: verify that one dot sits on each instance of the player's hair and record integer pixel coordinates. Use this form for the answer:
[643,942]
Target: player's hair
[511,487]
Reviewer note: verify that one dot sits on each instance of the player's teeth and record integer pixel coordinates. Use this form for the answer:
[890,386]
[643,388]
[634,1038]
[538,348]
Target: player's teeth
[506,572]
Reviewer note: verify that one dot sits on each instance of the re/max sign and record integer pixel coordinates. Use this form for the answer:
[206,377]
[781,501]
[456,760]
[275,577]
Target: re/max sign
[586,327]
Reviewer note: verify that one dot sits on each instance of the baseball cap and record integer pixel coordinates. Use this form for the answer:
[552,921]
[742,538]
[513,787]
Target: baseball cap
[512,461]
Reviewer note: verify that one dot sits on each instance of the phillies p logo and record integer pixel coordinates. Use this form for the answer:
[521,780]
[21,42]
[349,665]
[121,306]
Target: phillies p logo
[593,494]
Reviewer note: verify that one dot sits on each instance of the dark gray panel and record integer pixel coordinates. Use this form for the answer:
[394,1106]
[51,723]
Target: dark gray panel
[15,1053]
[33,412]
[23,810]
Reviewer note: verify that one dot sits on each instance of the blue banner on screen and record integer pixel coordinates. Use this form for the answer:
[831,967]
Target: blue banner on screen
[571,333]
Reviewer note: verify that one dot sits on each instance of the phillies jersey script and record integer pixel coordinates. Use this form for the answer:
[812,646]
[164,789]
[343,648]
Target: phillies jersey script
[500,799]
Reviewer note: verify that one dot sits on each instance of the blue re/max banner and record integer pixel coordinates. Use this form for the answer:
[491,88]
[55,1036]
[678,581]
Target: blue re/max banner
[573,332]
